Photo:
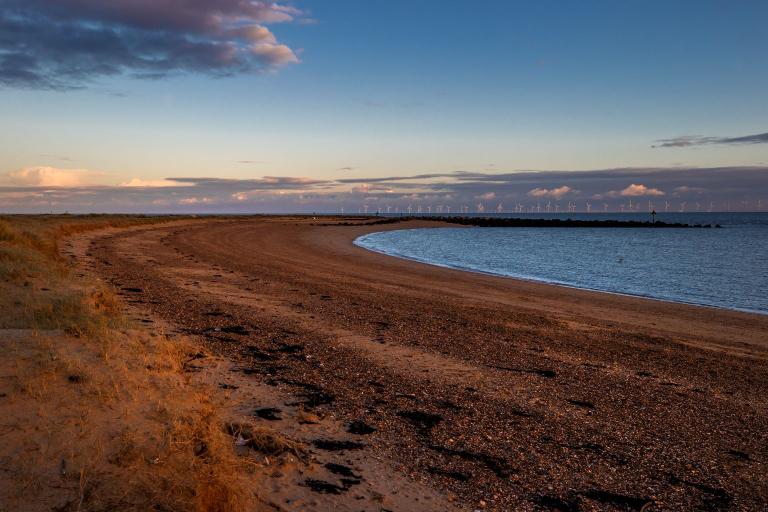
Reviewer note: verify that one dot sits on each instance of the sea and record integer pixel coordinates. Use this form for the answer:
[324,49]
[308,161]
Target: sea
[724,267]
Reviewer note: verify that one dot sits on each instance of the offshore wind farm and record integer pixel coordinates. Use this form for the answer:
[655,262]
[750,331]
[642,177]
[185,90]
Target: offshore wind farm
[637,207]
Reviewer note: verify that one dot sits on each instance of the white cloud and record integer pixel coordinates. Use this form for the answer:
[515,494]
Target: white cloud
[488,196]
[555,193]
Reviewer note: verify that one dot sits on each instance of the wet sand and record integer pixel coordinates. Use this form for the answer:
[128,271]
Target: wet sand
[507,394]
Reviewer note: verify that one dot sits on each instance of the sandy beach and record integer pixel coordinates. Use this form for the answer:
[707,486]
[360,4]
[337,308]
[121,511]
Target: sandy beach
[489,392]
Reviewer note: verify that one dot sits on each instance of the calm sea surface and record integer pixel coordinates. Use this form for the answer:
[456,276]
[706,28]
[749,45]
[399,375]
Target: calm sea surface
[725,267]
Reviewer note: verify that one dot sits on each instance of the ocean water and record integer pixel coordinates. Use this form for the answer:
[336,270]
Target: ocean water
[726,268]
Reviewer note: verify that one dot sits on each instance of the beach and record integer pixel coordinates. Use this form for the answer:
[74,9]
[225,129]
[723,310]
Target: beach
[487,391]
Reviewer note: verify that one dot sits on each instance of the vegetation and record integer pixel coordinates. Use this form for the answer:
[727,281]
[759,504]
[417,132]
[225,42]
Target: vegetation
[99,414]
[36,290]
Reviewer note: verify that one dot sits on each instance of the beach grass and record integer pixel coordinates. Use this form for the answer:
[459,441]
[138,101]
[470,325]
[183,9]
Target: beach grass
[99,414]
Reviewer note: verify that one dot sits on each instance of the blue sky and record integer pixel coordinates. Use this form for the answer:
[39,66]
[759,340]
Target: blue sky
[390,88]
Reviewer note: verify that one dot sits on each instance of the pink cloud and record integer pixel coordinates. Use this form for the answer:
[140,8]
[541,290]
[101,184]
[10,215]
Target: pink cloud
[274,55]
[35,189]
[635,190]
[43,176]
[554,193]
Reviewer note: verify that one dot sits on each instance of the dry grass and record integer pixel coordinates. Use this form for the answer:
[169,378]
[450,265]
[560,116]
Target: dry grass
[96,416]
[116,435]
[35,281]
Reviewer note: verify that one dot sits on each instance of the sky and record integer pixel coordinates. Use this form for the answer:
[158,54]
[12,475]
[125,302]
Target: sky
[247,106]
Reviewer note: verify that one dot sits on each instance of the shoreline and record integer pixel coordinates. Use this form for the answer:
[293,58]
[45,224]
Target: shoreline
[565,297]
[554,283]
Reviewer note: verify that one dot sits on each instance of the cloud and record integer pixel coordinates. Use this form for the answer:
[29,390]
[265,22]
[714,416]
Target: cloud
[366,188]
[67,44]
[685,189]
[554,193]
[263,183]
[138,182]
[274,55]
[51,177]
[635,190]
[195,200]
[488,196]
[695,140]
[59,157]
[32,190]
